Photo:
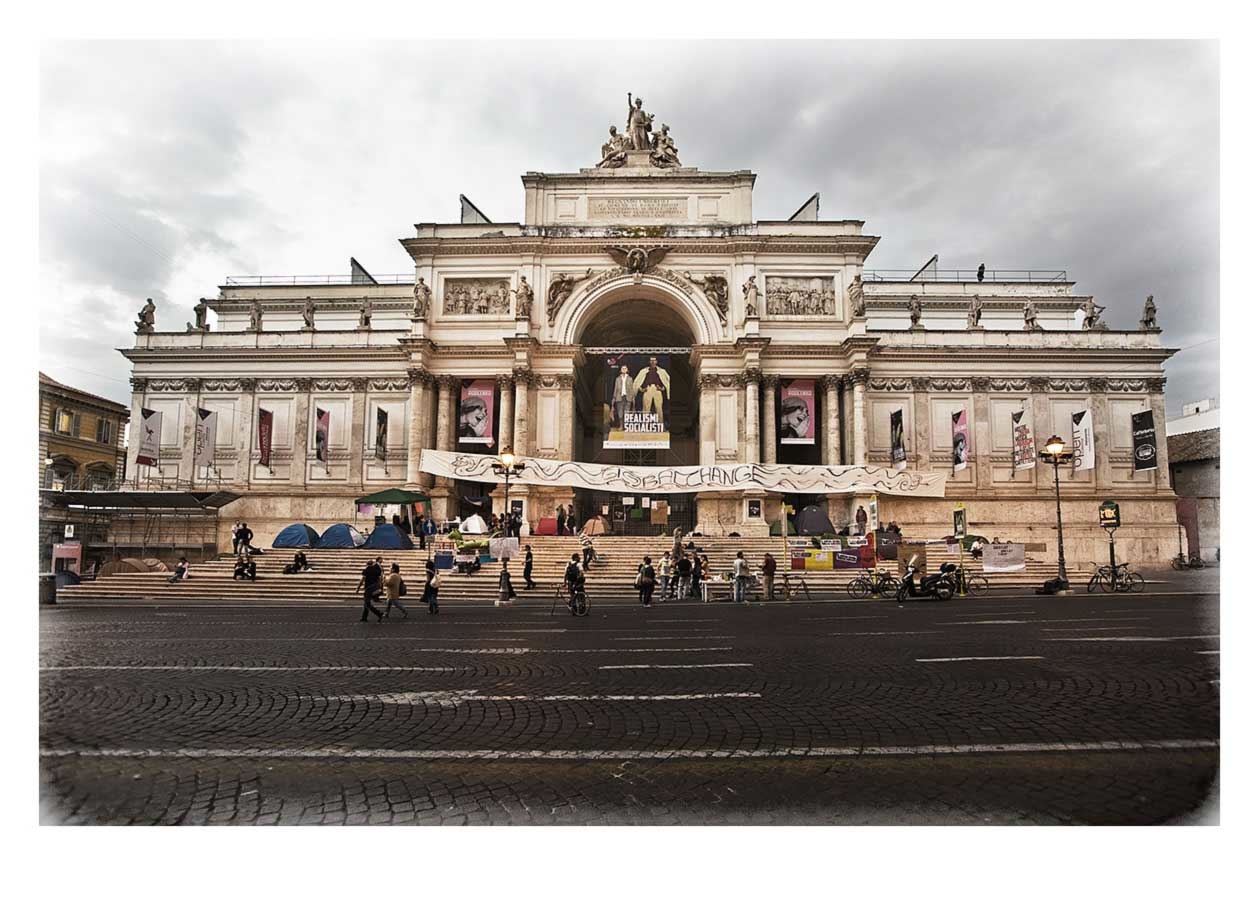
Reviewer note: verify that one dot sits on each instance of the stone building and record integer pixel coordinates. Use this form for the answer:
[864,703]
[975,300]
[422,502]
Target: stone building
[1195,458]
[80,448]
[641,256]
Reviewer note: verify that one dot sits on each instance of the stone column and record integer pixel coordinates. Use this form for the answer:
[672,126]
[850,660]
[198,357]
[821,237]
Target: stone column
[132,472]
[708,419]
[192,393]
[831,415]
[769,427]
[520,438]
[248,432]
[752,436]
[565,441]
[1102,432]
[919,451]
[982,433]
[416,424]
[446,383]
[506,421]
[857,453]
[358,415]
[1043,427]
[301,433]
[1155,387]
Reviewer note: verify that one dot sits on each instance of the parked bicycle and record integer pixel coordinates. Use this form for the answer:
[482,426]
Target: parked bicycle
[870,585]
[1181,561]
[972,583]
[1121,579]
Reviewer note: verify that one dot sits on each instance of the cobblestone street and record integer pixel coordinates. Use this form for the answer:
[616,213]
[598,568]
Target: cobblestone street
[1086,709]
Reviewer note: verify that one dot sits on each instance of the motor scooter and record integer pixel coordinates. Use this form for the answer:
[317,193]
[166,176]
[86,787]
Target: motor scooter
[939,585]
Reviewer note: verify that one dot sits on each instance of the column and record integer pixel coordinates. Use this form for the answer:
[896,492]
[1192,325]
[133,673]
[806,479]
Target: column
[708,419]
[248,433]
[752,437]
[919,452]
[520,439]
[415,425]
[358,431]
[769,427]
[301,433]
[506,421]
[982,433]
[444,434]
[192,393]
[831,414]
[138,386]
[566,416]
[1155,387]
[857,452]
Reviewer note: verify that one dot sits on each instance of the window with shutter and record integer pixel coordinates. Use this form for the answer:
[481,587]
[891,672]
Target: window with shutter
[75,426]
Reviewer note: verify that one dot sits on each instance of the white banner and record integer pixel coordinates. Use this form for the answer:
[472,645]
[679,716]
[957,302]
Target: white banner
[787,479]
[1003,558]
[1082,441]
[204,437]
[150,437]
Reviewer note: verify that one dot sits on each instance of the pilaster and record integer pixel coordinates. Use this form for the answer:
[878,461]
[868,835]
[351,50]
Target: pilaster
[769,427]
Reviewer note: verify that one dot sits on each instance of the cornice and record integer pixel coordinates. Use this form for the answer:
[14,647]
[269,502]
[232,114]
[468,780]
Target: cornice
[515,246]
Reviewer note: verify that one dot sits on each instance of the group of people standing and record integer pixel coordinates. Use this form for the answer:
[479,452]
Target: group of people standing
[566,520]
[375,582]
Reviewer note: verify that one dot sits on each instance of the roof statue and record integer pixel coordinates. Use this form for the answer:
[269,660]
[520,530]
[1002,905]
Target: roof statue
[144,319]
[640,145]
[1148,323]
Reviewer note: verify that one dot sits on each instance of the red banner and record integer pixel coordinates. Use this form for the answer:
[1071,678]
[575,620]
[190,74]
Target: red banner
[264,437]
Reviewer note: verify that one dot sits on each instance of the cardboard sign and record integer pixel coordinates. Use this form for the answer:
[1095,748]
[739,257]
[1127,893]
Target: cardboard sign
[906,551]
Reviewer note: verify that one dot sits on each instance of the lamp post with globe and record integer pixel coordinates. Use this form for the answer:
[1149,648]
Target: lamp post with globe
[507,466]
[1056,453]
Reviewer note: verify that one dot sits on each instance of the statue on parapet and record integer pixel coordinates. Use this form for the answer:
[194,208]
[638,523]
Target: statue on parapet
[1148,323]
[255,316]
[613,152]
[751,308]
[857,297]
[664,151]
[308,315]
[365,314]
[916,311]
[638,125]
[1030,316]
[422,296]
[144,318]
[1093,315]
[974,311]
[199,313]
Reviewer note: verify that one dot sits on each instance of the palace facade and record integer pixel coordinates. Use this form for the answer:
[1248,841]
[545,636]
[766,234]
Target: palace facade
[509,334]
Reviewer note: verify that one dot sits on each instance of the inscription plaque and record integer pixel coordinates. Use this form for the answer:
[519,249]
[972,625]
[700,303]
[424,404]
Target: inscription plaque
[605,207]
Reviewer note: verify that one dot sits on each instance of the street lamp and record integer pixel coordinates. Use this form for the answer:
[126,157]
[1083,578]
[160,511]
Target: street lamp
[508,466]
[1055,453]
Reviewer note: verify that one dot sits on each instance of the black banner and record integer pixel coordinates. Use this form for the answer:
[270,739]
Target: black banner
[1144,446]
[898,445]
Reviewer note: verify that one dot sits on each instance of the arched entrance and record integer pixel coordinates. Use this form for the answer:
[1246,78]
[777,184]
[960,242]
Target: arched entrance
[637,403]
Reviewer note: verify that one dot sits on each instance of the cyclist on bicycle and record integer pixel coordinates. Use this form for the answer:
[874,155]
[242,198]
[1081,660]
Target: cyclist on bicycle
[574,581]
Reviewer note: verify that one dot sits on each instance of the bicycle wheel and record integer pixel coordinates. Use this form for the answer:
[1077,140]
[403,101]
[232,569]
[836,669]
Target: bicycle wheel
[901,593]
[858,588]
[1178,563]
[1095,583]
[1134,582]
[886,587]
[581,606]
[977,585]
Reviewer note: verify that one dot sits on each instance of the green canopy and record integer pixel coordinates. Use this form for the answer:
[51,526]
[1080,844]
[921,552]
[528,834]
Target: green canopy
[394,495]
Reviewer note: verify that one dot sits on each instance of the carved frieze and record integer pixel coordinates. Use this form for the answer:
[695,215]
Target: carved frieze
[949,385]
[1097,385]
[221,385]
[172,385]
[1038,384]
[920,384]
[708,381]
[476,296]
[891,383]
[393,385]
[980,384]
[277,385]
[1068,385]
[332,385]
[795,296]
[728,380]
[1008,385]
[751,376]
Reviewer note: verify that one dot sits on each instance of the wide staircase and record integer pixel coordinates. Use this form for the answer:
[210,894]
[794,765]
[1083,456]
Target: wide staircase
[611,577]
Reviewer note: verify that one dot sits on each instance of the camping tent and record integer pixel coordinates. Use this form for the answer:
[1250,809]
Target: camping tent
[597,525]
[473,525]
[394,495]
[386,537]
[813,521]
[132,565]
[341,535]
[296,535]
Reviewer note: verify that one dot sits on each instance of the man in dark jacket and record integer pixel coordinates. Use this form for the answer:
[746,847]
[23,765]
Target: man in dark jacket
[370,583]
[529,569]
[574,581]
[769,566]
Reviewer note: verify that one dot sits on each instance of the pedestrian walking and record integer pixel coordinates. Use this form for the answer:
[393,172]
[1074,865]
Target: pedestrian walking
[395,588]
[697,573]
[645,582]
[740,574]
[236,537]
[588,550]
[528,574]
[506,592]
[370,581]
[682,569]
[571,521]
[559,519]
[663,573]
[432,581]
[574,582]
[769,566]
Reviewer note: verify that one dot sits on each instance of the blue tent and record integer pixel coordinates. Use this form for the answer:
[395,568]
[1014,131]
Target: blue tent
[385,537]
[296,535]
[343,534]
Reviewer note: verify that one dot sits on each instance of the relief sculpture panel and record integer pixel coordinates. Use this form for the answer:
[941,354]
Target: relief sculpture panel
[476,296]
[794,296]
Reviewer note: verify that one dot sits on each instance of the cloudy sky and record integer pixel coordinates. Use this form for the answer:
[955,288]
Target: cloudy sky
[166,167]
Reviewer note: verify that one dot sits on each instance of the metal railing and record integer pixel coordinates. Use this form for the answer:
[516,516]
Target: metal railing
[319,280]
[937,275]
[50,481]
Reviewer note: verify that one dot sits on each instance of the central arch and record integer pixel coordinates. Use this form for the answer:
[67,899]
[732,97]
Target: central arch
[580,311]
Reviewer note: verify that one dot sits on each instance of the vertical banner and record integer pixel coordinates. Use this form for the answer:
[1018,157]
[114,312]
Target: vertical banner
[382,433]
[321,435]
[204,437]
[265,421]
[1082,441]
[476,412]
[962,440]
[1022,441]
[796,412]
[638,396]
[150,437]
[960,522]
[1144,448]
[898,444]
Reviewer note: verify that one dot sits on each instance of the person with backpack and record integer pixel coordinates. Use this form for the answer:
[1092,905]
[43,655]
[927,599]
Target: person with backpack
[645,582]
[682,569]
[574,581]
[432,581]
[769,566]
[395,588]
